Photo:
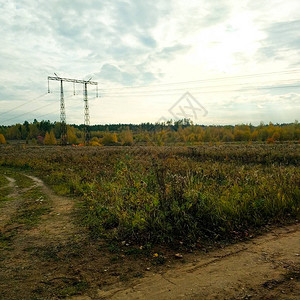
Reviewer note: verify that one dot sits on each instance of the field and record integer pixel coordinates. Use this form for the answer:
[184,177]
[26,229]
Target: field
[168,195]
[150,201]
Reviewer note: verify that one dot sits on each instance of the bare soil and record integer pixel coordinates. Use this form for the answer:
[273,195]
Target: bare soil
[57,260]
[264,268]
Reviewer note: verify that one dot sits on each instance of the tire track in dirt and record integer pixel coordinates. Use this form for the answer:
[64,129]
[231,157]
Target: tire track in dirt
[24,264]
[56,226]
[253,269]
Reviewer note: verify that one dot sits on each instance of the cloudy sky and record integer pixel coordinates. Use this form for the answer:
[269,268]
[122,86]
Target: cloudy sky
[238,60]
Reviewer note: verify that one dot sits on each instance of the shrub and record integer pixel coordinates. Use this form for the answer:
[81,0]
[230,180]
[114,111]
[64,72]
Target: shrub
[109,139]
[270,140]
[2,139]
[126,138]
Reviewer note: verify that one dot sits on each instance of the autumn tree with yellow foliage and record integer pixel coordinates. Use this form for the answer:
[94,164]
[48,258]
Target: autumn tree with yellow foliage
[71,133]
[126,137]
[2,139]
[50,138]
[109,139]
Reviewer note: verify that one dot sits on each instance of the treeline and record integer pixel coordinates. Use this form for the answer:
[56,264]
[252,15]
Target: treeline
[180,132]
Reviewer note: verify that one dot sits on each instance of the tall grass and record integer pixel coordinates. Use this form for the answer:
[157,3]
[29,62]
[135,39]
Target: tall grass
[176,199]
[165,194]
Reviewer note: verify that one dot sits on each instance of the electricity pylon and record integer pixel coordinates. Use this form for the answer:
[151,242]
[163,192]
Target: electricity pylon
[63,126]
[86,115]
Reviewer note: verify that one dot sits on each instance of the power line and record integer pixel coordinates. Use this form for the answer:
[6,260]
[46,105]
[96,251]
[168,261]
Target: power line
[27,113]
[198,87]
[15,108]
[23,104]
[208,80]
[201,92]
[171,91]
[54,111]
[49,113]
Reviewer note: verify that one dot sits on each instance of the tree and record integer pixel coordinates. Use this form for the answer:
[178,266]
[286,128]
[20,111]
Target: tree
[241,133]
[228,136]
[109,139]
[47,139]
[13,132]
[72,139]
[33,131]
[2,139]
[50,138]
[126,137]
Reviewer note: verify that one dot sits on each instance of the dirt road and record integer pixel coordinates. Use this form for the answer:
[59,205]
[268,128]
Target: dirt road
[34,225]
[264,268]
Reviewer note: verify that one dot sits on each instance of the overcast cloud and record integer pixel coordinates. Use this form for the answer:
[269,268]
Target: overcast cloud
[135,49]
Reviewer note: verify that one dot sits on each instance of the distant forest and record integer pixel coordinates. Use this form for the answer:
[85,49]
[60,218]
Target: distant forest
[181,132]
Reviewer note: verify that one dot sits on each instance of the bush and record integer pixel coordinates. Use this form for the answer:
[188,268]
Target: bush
[109,139]
[126,138]
[2,139]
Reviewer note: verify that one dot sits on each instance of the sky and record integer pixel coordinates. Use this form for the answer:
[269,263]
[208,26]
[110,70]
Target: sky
[215,62]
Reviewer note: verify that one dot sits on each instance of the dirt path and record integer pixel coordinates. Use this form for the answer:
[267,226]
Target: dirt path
[31,255]
[57,225]
[254,269]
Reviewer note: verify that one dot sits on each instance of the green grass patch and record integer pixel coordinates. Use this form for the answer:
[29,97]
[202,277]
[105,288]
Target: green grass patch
[22,181]
[76,287]
[5,240]
[3,181]
[34,205]
[5,189]
[61,288]
[4,194]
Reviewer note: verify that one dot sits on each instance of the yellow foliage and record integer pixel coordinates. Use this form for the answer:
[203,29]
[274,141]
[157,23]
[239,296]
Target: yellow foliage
[126,138]
[115,138]
[50,138]
[95,139]
[71,136]
[94,143]
[2,139]
[109,138]
[47,139]
[276,136]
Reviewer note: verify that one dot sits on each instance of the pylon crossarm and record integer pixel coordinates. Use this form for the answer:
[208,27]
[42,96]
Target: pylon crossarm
[72,80]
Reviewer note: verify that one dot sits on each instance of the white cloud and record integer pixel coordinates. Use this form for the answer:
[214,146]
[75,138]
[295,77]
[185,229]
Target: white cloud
[130,42]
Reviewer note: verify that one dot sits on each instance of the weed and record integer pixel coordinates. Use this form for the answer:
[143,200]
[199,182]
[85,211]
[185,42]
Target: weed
[162,195]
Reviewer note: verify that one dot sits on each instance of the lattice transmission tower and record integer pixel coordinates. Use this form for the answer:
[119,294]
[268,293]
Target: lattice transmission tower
[63,124]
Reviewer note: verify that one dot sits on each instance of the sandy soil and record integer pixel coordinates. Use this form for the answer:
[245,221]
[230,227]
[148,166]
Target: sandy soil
[264,268]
